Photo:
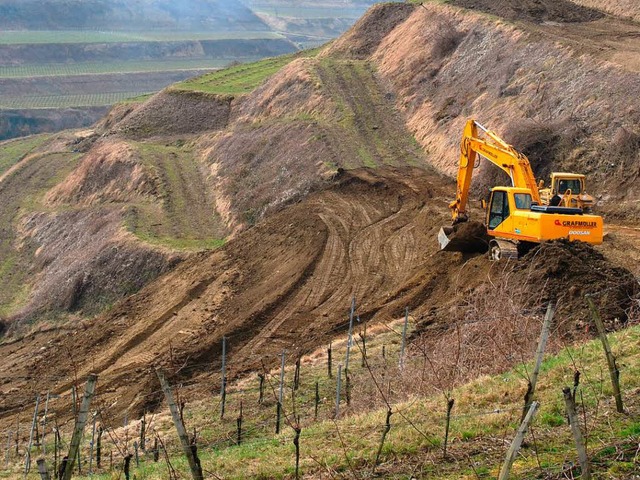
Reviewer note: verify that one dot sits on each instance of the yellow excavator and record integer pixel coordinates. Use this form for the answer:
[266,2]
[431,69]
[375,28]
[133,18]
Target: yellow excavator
[516,218]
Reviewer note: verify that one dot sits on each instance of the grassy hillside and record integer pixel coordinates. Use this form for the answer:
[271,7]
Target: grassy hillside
[241,78]
[22,193]
[485,417]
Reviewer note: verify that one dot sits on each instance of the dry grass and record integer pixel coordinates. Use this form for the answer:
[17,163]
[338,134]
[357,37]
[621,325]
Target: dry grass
[622,8]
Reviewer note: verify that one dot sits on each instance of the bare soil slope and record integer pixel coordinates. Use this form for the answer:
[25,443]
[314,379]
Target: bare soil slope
[287,284]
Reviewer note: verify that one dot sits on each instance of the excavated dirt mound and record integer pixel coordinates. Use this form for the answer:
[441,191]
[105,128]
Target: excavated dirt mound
[176,113]
[566,272]
[365,36]
[533,10]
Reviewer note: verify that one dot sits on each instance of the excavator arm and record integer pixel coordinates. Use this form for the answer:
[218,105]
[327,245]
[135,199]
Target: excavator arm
[496,151]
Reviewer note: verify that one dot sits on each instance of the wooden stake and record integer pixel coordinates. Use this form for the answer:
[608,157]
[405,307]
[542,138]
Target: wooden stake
[8,448]
[223,381]
[44,424]
[79,427]
[404,337]
[450,403]
[339,377]
[239,425]
[91,444]
[194,463]
[42,469]
[570,404]
[99,447]
[517,442]
[156,452]
[329,367]
[542,345]
[296,375]
[261,389]
[350,336]
[281,395]
[317,401]
[143,433]
[363,337]
[27,463]
[614,372]
[387,428]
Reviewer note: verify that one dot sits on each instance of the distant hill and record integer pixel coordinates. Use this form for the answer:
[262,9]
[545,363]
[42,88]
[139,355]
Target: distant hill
[127,15]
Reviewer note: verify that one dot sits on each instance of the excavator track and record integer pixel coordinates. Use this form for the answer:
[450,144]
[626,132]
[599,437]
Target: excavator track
[500,249]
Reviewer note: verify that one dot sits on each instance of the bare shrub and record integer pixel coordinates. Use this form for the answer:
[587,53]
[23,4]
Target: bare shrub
[545,144]
[446,39]
[625,151]
[491,332]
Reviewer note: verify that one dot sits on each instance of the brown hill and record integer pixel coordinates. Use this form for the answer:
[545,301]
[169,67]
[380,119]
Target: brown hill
[282,170]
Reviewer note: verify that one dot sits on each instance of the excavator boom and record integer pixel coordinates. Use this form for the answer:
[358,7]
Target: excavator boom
[496,151]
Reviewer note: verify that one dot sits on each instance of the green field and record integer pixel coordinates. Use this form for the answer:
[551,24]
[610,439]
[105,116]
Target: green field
[64,101]
[309,12]
[240,79]
[12,151]
[93,68]
[17,37]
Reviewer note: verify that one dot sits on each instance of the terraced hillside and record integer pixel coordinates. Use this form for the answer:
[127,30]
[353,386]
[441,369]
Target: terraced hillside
[148,44]
[328,175]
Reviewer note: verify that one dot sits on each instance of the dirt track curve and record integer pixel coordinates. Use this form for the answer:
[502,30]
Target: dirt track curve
[368,234]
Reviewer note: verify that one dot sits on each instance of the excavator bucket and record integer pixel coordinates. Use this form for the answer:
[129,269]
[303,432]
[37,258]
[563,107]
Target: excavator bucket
[466,237]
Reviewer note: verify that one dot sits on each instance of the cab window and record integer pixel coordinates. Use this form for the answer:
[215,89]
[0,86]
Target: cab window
[499,209]
[575,185]
[523,201]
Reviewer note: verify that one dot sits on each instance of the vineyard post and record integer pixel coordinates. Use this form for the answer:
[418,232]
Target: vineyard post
[93,438]
[363,337]
[317,401]
[42,469]
[570,404]
[135,451]
[8,447]
[99,446]
[18,437]
[27,462]
[44,423]
[143,433]
[404,338]
[280,394]
[296,374]
[614,372]
[56,436]
[329,367]
[156,452]
[194,463]
[339,378]
[542,345]
[517,442]
[223,381]
[261,389]
[74,447]
[346,361]
[450,402]
[239,425]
